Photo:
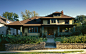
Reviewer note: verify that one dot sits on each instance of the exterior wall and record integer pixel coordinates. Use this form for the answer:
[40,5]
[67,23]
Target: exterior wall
[44,21]
[70,21]
[61,21]
[30,34]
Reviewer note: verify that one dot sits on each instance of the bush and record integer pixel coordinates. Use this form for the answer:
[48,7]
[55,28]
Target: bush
[44,36]
[76,33]
[74,39]
[25,40]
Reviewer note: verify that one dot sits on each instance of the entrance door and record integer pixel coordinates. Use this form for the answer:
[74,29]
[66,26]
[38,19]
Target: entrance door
[50,31]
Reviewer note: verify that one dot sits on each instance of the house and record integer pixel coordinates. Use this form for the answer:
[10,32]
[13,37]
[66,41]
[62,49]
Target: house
[3,28]
[51,24]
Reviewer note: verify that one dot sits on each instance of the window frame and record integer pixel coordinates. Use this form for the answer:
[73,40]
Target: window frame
[53,20]
[66,23]
[33,30]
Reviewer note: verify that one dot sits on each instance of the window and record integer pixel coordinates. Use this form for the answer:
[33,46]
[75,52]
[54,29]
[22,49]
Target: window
[53,20]
[49,21]
[58,21]
[33,29]
[66,21]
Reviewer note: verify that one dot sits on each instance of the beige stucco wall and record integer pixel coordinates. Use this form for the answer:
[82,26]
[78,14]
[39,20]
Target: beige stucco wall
[30,34]
[61,21]
[70,21]
[44,21]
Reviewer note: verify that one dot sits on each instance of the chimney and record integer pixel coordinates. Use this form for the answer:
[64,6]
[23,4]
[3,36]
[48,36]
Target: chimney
[62,12]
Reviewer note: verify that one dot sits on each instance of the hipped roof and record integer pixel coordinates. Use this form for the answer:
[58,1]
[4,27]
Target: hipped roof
[36,17]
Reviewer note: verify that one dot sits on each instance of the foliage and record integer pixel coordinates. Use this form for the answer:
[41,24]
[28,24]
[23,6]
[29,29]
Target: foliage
[11,16]
[44,36]
[74,39]
[76,33]
[28,14]
[81,18]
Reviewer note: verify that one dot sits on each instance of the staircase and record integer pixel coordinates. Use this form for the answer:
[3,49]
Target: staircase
[50,43]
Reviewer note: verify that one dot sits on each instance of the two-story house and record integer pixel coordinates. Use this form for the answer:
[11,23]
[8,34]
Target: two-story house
[54,23]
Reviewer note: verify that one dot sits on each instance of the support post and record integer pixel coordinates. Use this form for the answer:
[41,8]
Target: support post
[16,31]
[8,30]
[21,31]
[58,30]
[42,31]
[74,28]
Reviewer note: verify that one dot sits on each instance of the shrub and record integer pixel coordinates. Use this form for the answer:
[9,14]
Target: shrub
[44,36]
[25,40]
[76,33]
[74,39]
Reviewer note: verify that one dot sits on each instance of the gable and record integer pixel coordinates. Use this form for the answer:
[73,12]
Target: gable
[35,21]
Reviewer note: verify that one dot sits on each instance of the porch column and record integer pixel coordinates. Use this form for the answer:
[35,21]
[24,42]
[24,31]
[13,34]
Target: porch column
[74,28]
[54,32]
[16,31]
[42,31]
[9,30]
[56,21]
[13,31]
[58,30]
[21,31]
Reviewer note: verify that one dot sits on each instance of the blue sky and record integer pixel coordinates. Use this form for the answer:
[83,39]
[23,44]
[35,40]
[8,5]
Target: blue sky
[44,7]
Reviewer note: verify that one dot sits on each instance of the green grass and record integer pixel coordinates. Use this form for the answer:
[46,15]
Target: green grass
[44,52]
[57,39]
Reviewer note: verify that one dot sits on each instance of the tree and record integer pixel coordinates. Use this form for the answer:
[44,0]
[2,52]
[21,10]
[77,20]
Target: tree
[11,16]
[28,14]
[81,18]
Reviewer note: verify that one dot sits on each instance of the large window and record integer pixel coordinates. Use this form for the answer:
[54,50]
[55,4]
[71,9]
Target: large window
[53,20]
[66,21]
[33,30]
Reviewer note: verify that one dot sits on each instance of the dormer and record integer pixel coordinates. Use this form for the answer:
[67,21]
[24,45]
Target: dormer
[58,14]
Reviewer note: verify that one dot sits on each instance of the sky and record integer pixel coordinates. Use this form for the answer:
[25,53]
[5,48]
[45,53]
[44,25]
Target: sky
[44,7]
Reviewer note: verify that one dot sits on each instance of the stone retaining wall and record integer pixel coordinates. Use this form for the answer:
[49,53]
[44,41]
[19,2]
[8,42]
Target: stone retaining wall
[41,46]
[24,46]
[70,45]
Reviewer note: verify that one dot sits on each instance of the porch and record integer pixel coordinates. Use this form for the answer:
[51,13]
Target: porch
[52,31]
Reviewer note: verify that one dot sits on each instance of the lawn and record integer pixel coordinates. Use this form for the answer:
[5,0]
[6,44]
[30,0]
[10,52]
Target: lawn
[43,52]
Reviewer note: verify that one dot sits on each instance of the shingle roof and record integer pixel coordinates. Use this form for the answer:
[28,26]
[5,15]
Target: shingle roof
[15,23]
[36,17]
[62,16]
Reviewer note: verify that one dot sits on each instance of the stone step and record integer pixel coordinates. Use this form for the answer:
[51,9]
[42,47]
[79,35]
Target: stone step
[50,44]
